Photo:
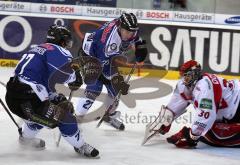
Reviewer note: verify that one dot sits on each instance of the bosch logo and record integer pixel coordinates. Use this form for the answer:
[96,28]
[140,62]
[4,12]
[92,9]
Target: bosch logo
[62,9]
[233,20]
[163,15]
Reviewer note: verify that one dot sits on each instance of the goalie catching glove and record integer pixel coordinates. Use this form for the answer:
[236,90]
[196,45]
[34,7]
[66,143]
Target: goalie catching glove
[141,50]
[184,139]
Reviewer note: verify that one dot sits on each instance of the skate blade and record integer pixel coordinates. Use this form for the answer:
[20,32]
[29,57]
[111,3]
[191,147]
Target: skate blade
[148,134]
[87,157]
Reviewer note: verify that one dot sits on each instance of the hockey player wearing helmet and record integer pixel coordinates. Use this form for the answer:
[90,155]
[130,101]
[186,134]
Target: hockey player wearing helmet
[216,118]
[128,27]
[59,35]
[113,39]
[32,96]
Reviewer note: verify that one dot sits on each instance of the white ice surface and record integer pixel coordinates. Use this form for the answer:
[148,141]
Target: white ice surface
[116,148]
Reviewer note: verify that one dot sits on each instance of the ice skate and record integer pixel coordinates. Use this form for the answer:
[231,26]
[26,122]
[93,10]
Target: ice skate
[35,143]
[112,119]
[87,150]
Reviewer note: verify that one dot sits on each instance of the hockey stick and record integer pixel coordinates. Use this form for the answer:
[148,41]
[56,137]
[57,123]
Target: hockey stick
[10,115]
[59,135]
[117,97]
[2,84]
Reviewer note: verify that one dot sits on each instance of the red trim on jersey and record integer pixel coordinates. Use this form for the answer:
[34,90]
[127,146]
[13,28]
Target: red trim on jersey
[196,104]
[217,89]
[185,97]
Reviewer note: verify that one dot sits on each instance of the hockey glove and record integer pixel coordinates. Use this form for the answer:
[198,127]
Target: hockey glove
[183,139]
[118,84]
[57,98]
[141,51]
[77,83]
[61,100]
[90,67]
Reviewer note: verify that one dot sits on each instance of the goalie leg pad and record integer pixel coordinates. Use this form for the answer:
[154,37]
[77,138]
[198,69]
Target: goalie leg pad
[160,125]
[223,135]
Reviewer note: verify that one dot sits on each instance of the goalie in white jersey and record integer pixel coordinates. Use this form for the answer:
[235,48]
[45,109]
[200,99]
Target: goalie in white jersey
[216,118]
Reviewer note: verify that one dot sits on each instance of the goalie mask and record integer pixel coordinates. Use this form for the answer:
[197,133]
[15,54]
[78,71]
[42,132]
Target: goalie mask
[59,35]
[191,72]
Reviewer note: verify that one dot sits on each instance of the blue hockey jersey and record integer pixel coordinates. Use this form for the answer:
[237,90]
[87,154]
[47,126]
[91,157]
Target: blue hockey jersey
[106,43]
[43,66]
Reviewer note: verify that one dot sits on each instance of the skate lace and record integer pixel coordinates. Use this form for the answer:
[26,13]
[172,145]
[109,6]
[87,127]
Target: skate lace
[87,149]
[115,114]
[115,122]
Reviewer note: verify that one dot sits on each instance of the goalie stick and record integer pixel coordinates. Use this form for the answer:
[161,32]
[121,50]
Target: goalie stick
[3,84]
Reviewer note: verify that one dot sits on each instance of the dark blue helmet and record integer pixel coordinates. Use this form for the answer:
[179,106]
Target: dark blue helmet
[59,35]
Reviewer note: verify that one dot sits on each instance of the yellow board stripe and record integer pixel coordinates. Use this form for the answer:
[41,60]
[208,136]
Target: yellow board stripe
[170,75]
[8,62]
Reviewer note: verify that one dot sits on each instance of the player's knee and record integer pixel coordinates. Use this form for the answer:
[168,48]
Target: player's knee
[84,104]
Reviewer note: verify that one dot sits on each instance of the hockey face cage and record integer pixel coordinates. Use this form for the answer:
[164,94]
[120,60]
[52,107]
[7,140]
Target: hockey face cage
[191,76]
[190,72]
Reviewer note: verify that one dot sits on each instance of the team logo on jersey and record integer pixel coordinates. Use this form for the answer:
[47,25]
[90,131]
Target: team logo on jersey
[206,104]
[113,46]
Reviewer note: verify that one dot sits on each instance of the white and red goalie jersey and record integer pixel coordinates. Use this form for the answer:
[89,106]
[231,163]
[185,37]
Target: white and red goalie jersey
[213,98]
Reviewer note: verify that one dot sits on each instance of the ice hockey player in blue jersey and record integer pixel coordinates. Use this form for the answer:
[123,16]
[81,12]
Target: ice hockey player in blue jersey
[32,96]
[113,39]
